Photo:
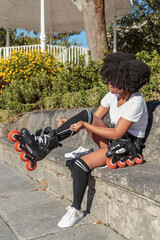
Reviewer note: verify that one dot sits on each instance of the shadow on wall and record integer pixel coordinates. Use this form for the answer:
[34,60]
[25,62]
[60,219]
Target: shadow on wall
[151,106]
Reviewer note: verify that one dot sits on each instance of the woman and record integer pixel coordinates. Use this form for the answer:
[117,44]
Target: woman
[128,112]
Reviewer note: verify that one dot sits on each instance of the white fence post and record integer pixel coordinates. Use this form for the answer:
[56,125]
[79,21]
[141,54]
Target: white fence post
[62,53]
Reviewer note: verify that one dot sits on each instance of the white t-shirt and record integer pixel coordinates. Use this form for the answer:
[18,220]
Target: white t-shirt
[134,109]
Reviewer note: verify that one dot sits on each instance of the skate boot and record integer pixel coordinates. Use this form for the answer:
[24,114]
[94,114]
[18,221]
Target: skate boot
[48,141]
[121,153]
[33,146]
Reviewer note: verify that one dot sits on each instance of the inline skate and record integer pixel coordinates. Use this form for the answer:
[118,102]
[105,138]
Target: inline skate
[121,153]
[33,147]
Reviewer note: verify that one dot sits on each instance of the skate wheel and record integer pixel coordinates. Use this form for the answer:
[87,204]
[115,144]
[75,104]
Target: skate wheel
[28,166]
[23,157]
[17,147]
[138,159]
[121,164]
[130,162]
[110,164]
[11,135]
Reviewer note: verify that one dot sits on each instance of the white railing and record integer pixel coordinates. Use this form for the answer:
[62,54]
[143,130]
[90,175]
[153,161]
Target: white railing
[63,54]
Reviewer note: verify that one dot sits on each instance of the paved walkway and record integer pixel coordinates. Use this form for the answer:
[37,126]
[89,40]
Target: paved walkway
[29,211]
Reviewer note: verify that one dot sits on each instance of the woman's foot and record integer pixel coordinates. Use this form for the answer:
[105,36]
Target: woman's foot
[71,217]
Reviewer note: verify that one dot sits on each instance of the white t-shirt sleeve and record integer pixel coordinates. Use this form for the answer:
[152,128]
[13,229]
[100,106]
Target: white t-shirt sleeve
[106,101]
[134,111]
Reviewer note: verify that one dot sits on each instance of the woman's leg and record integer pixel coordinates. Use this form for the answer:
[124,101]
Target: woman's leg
[81,169]
[96,159]
[101,142]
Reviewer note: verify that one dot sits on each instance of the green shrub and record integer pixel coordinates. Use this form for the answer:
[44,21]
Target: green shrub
[152,90]
[30,93]
[74,83]
[87,98]
[39,81]
[73,100]
[93,96]
[76,77]
[52,102]
[25,79]
[22,66]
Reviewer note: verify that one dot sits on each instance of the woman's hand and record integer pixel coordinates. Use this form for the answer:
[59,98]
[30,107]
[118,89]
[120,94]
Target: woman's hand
[77,126]
[61,121]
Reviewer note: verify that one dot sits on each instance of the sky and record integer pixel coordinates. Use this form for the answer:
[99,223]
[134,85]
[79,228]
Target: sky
[80,38]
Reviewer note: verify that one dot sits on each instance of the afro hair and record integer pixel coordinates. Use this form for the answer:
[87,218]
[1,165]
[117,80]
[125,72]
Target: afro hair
[124,71]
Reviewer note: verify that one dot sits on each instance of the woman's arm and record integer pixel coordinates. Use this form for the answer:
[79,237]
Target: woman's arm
[101,112]
[109,133]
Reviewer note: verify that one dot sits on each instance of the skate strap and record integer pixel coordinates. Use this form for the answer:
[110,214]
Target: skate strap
[38,132]
[50,131]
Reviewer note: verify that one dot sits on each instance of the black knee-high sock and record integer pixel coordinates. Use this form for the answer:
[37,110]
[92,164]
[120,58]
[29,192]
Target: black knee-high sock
[80,181]
[64,132]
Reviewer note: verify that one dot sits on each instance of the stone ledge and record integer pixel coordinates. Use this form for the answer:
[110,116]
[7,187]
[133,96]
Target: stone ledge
[42,119]
[128,200]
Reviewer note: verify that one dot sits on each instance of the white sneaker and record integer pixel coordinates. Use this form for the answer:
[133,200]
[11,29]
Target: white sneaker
[81,151]
[71,217]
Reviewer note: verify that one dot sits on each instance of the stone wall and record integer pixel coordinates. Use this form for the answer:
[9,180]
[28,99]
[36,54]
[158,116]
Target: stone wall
[42,119]
[151,151]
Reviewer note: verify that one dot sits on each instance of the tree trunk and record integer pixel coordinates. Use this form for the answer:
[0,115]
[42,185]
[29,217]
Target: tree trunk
[93,15]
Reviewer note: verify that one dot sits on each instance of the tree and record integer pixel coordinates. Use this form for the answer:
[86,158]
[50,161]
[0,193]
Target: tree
[94,24]
[3,37]
[21,39]
[139,30]
[17,40]
[61,39]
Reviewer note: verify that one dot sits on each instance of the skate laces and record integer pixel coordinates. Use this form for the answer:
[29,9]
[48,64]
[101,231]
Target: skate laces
[42,140]
[65,131]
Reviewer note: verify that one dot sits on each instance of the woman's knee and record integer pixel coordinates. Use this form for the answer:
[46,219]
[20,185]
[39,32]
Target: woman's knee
[96,159]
